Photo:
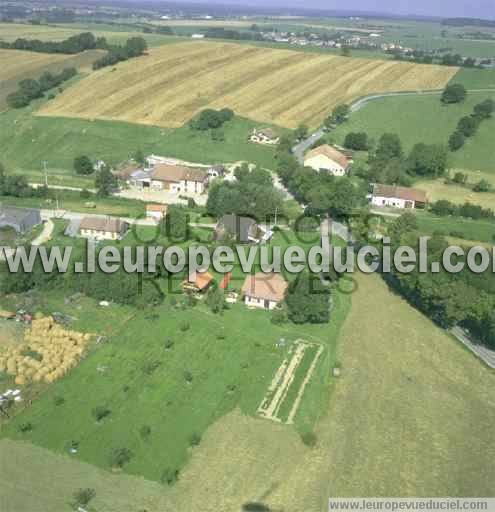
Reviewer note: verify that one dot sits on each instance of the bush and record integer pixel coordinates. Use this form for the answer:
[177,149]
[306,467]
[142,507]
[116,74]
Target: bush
[279,316]
[456,141]
[482,186]
[83,165]
[169,476]
[195,440]
[184,326]
[467,125]
[145,431]
[309,439]
[82,497]
[25,427]
[169,343]
[59,400]
[100,412]
[188,376]
[454,93]
[357,141]
[120,457]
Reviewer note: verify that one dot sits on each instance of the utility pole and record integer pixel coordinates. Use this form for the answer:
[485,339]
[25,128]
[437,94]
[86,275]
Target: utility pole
[46,172]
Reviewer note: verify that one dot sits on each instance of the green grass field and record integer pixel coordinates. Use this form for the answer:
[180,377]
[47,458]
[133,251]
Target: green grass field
[27,140]
[424,119]
[231,358]
[72,201]
[476,230]
[475,78]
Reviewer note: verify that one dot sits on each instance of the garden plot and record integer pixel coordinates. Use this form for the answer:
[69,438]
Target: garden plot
[286,390]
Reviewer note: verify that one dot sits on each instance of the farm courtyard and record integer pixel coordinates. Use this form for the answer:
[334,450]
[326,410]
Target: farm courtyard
[287,88]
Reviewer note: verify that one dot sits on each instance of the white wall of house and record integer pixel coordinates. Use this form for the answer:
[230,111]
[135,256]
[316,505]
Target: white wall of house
[320,162]
[186,187]
[392,202]
[99,235]
[259,303]
[191,187]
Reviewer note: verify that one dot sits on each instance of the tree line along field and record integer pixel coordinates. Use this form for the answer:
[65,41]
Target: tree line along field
[114,35]
[423,118]
[174,82]
[18,65]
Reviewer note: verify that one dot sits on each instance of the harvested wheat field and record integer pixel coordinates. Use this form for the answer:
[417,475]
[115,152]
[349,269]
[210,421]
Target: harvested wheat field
[16,65]
[172,83]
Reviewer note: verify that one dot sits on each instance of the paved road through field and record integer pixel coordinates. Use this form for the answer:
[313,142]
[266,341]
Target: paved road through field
[301,147]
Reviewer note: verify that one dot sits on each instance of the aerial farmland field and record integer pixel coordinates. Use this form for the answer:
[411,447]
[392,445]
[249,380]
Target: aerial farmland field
[18,65]
[171,84]
[12,31]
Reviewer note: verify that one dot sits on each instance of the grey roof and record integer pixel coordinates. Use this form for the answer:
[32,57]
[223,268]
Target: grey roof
[20,219]
[241,228]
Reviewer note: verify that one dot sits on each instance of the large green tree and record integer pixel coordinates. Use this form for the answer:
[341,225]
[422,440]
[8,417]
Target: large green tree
[308,300]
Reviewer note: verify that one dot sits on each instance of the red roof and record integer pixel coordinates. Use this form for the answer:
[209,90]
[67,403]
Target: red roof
[405,193]
[225,280]
[199,279]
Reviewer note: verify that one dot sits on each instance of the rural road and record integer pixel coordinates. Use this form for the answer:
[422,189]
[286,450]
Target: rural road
[299,149]
[487,355]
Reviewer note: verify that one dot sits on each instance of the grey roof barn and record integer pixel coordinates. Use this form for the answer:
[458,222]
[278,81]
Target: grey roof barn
[19,219]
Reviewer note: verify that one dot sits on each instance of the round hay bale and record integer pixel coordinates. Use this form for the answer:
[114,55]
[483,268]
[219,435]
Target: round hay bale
[20,380]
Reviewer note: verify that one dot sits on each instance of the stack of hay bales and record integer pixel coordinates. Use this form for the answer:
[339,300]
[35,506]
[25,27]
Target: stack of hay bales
[59,350]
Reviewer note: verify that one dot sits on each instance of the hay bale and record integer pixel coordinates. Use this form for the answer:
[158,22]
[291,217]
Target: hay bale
[20,380]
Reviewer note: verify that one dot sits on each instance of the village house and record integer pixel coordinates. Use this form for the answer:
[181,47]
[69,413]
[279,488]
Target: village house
[264,290]
[20,220]
[216,171]
[102,228]
[197,281]
[156,211]
[178,179]
[264,136]
[397,197]
[328,158]
[243,230]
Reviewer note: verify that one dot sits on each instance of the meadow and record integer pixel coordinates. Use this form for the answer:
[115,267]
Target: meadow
[282,87]
[18,65]
[411,414]
[27,140]
[174,370]
[423,118]
[475,78]
[401,378]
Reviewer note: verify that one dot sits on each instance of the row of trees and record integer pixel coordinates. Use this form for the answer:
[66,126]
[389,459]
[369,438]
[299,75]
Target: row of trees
[134,47]
[71,45]
[30,89]
[445,208]
[389,164]
[226,33]
[465,298]
[468,125]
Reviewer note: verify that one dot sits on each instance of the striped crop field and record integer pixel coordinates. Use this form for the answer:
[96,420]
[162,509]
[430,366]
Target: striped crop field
[283,87]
